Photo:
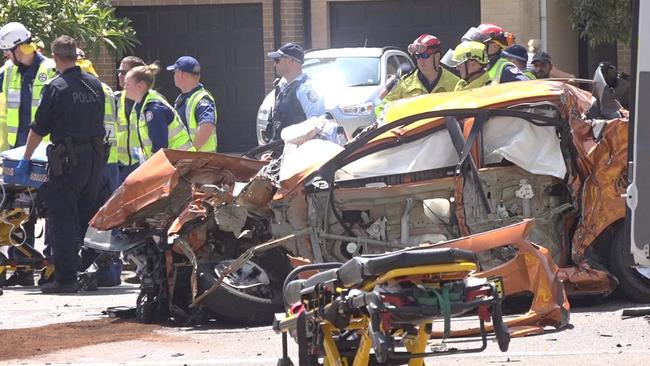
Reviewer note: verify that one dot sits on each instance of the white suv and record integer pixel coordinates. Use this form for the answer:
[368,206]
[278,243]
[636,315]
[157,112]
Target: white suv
[349,79]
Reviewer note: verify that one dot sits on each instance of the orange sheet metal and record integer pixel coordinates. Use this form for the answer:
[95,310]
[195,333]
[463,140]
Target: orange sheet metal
[586,281]
[156,179]
[603,190]
[531,270]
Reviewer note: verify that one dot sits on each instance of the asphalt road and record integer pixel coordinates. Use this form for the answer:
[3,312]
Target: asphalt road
[597,336]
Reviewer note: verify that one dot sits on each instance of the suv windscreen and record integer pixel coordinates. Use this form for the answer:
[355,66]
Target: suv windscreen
[343,71]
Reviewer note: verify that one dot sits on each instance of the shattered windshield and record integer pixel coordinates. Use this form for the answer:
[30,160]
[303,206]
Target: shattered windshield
[343,71]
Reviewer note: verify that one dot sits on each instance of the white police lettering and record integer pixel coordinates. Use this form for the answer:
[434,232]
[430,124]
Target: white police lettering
[83,98]
[148,116]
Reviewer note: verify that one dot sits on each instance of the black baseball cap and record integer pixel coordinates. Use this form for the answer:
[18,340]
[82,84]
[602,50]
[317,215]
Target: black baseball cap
[289,50]
[542,57]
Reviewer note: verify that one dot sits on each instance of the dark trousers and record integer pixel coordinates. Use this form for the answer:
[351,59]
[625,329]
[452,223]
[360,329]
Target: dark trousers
[124,171]
[71,201]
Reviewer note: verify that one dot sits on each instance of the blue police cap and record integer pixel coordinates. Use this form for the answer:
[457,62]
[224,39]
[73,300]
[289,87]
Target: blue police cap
[516,51]
[186,64]
[290,50]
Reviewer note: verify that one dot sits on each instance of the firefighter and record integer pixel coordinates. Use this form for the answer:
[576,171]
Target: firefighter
[495,40]
[429,77]
[471,62]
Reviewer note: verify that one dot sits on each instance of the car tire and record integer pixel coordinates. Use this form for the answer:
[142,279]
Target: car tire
[228,302]
[632,283]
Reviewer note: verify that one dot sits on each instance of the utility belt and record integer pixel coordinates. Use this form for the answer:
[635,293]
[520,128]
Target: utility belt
[63,154]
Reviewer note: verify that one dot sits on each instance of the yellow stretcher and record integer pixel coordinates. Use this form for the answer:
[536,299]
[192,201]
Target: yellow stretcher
[380,309]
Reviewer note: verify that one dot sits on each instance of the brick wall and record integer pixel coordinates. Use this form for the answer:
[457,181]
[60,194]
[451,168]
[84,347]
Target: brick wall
[624,57]
[520,18]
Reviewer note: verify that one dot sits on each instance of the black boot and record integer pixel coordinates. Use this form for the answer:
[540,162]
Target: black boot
[21,278]
[55,287]
[88,281]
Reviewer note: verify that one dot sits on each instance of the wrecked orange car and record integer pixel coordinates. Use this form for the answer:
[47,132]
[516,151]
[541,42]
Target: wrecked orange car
[442,167]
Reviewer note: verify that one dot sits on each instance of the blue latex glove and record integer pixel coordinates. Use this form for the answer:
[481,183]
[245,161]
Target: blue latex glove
[22,172]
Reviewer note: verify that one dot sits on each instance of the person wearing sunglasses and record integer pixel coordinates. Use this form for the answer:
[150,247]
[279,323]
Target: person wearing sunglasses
[297,99]
[495,40]
[23,78]
[428,77]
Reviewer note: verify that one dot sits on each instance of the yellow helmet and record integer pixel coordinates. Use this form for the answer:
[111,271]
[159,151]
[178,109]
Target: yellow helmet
[470,50]
[87,66]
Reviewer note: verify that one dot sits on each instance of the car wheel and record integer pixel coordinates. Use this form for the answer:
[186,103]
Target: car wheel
[634,282]
[252,294]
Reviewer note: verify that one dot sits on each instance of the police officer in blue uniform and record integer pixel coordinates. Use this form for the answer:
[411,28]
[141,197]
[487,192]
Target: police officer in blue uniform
[297,100]
[71,111]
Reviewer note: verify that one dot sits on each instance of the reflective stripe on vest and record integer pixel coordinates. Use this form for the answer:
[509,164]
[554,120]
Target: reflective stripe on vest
[178,137]
[11,86]
[110,123]
[530,75]
[497,69]
[192,124]
[126,135]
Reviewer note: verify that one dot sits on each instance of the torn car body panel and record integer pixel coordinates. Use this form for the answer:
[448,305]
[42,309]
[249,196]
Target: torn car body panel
[166,175]
[530,270]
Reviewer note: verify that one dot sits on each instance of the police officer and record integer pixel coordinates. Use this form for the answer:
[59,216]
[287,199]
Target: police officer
[126,132]
[195,105]
[517,55]
[22,79]
[296,100]
[429,77]
[157,124]
[471,62]
[72,112]
[495,40]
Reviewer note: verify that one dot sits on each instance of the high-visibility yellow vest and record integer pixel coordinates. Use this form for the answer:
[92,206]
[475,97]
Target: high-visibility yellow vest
[192,124]
[482,80]
[497,69]
[178,137]
[529,75]
[410,85]
[11,86]
[125,135]
[110,122]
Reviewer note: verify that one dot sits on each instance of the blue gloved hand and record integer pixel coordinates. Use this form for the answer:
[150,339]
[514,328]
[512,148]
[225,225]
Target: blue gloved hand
[21,174]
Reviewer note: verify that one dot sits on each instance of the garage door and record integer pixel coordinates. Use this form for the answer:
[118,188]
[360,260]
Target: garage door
[227,41]
[399,22]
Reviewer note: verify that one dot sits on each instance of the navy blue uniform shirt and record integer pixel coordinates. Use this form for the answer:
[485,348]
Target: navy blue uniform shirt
[204,112]
[72,105]
[158,116]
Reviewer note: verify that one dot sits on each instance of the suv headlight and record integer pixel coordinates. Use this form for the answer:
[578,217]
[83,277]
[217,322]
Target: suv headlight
[360,109]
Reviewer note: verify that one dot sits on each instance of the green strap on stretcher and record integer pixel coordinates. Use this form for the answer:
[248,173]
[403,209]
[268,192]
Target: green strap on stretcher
[445,308]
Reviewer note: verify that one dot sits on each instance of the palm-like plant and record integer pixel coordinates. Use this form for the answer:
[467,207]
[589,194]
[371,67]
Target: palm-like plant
[90,21]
